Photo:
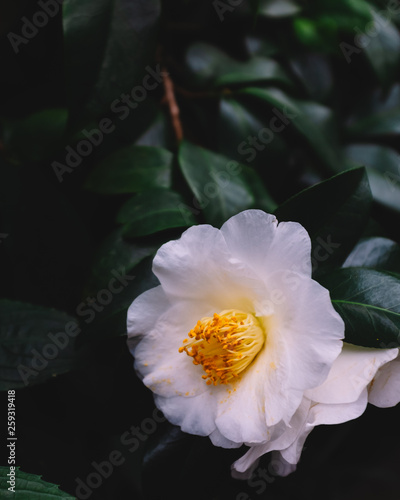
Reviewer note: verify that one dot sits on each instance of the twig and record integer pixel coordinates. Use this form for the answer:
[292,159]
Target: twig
[172,106]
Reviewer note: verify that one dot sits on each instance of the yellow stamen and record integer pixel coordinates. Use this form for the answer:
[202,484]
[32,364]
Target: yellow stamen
[232,338]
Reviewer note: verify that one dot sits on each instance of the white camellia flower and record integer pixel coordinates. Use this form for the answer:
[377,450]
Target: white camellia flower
[237,341]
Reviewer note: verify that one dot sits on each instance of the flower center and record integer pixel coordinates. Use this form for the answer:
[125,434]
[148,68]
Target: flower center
[224,345]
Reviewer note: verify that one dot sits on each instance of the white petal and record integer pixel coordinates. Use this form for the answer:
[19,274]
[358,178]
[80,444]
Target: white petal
[142,316]
[291,249]
[166,371]
[199,266]
[281,467]
[352,371]
[188,265]
[385,387]
[326,414]
[303,340]
[291,454]
[247,472]
[255,237]
[189,414]
[282,441]
[241,413]
[145,311]
[218,439]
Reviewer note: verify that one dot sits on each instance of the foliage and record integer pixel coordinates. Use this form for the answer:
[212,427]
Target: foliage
[124,122]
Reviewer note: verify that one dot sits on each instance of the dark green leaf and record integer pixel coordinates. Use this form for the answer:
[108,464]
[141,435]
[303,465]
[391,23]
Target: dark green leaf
[216,182]
[238,125]
[383,122]
[315,73]
[104,316]
[36,343]
[334,212]
[108,45]
[29,487]
[256,69]
[115,253]
[153,211]
[307,32]
[304,119]
[159,133]
[369,303]
[322,24]
[383,171]
[382,48]
[131,170]
[211,66]
[262,199]
[377,253]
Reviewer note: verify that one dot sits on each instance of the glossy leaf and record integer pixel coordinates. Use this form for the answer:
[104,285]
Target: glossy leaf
[334,212]
[239,125]
[322,24]
[377,253]
[158,134]
[153,211]
[369,303]
[212,66]
[115,253]
[262,198]
[315,73]
[108,45]
[131,170]
[383,122]
[382,47]
[108,318]
[29,487]
[383,169]
[304,122]
[216,182]
[36,343]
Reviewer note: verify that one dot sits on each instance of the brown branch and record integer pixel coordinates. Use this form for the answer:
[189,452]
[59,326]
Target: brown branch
[173,107]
